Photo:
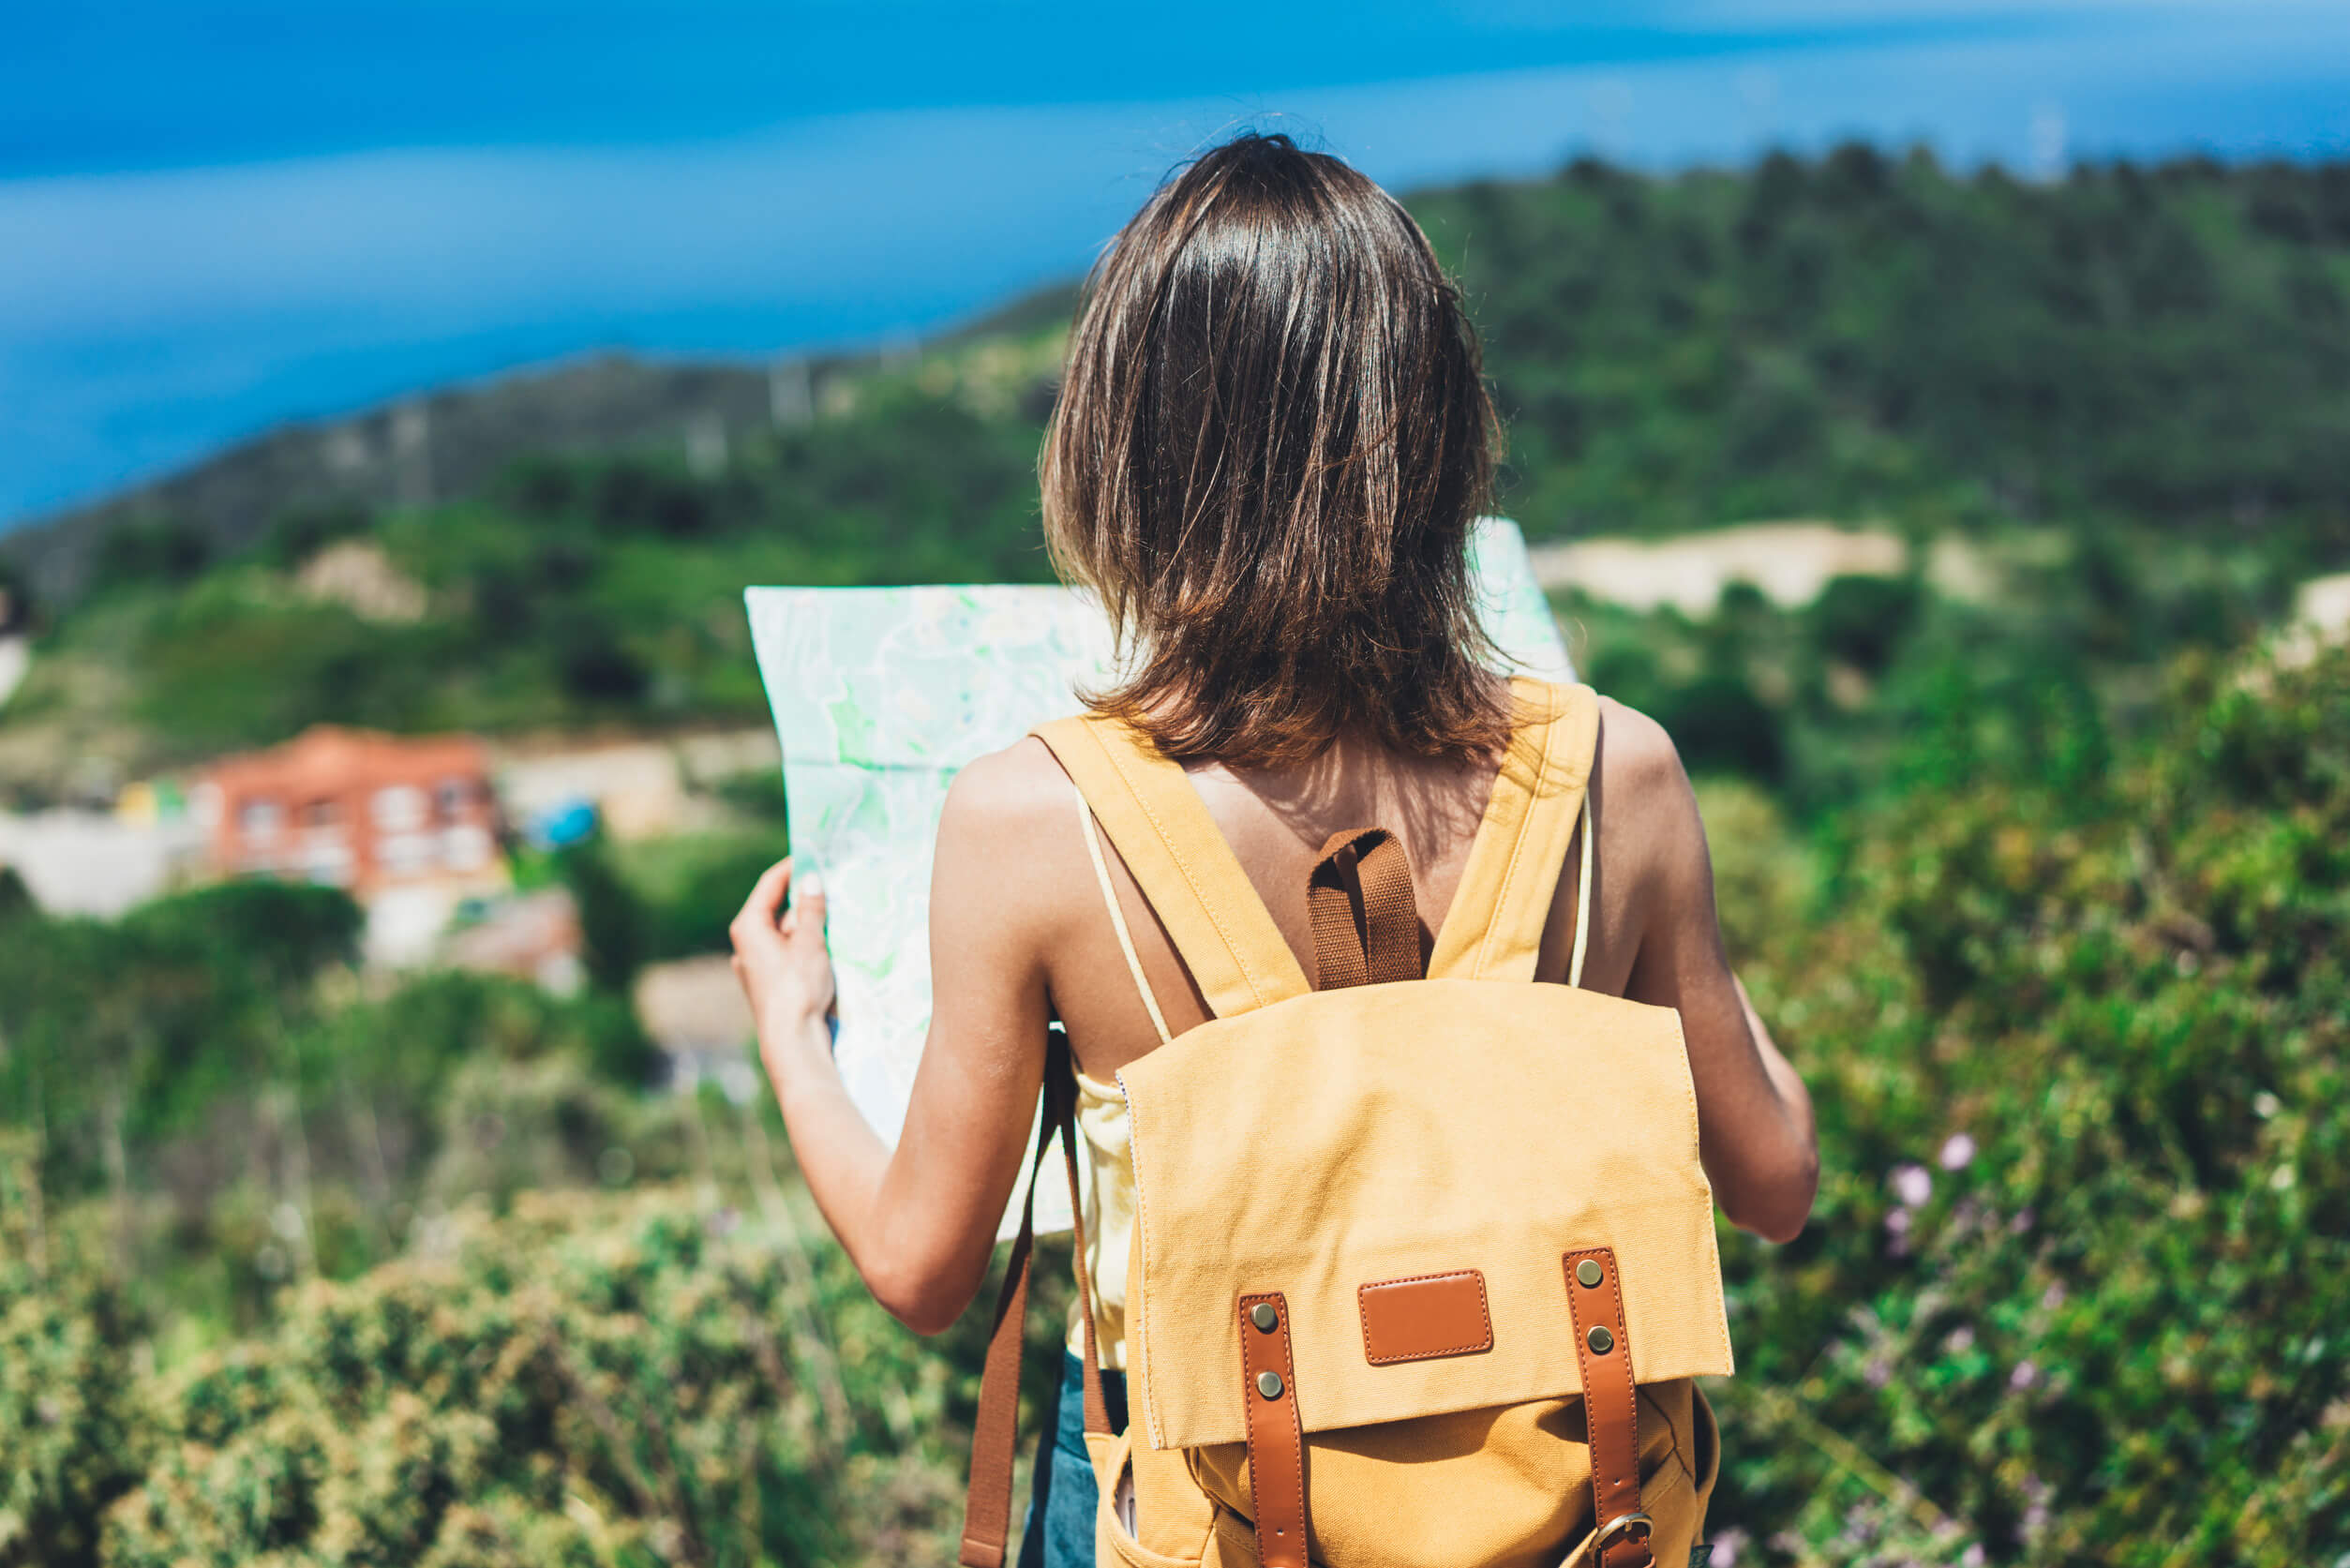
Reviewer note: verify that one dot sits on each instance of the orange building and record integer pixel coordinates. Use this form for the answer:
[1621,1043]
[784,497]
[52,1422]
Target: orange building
[356,809]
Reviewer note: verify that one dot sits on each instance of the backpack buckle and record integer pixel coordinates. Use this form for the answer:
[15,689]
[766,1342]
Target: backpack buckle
[1634,1528]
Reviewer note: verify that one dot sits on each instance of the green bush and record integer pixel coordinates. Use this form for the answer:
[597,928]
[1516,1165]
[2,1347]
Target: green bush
[73,1431]
[1862,620]
[2073,1293]
[591,1381]
[2075,1011]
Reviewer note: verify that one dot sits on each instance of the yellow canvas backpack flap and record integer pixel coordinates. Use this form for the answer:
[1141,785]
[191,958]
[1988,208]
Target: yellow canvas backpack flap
[1423,1264]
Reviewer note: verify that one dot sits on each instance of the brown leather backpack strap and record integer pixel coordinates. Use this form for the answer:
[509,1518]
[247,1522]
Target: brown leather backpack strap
[1276,1436]
[1611,1409]
[1365,922]
[996,1432]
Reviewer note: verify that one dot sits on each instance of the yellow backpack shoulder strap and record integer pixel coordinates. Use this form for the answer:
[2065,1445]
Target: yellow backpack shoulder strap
[1494,930]
[1218,924]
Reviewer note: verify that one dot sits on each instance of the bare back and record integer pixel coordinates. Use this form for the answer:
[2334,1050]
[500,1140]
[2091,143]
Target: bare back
[1275,823]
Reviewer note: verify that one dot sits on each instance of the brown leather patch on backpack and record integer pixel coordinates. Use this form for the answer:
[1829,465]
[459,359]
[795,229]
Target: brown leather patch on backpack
[1425,1316]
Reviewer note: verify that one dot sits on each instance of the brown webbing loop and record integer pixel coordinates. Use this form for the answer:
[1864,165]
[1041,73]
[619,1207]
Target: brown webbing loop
[996,1432]
[1365,922]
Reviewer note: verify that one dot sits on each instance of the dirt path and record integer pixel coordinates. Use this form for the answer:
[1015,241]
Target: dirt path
[1791,562]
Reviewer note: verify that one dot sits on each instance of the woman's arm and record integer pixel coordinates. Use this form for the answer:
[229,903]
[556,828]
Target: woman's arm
[1754,1128]
[919,1222]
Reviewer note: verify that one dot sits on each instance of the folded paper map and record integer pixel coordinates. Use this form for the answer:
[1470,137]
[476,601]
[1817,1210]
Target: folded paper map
[881,694]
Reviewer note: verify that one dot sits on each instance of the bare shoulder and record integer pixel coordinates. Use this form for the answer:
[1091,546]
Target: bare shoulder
[1646,805]
[1012,794]
[1634,753]
[1009,851]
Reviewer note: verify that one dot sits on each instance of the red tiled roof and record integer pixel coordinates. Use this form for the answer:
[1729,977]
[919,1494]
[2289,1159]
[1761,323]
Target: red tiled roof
[327,758]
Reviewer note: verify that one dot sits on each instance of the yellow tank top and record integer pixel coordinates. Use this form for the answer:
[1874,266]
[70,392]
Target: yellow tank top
[1102,1119]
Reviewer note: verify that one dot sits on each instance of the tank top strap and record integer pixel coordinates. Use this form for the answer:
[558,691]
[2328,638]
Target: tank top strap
[1221,928]
[1494,930]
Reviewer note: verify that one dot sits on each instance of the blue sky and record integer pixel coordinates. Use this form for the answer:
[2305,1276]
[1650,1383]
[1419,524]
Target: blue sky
[217,217]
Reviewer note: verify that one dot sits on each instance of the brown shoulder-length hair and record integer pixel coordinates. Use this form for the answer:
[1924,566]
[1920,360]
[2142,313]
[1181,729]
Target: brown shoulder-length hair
[1272,441]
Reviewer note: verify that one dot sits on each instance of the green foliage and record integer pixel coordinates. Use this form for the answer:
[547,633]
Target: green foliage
[1861,336]
[16,597]
[150,552]
[1864,620]
[628,1378]
[72,1433]
[2072,1286]
[594,590]
[271,936]
[207,1044]
[236,659]
[507,1126]
[2041,671]
[661,1382]
[302,531]
[2071,1294]
[658,899]
[757,795]
[123,1033]
[692,885]
[613,922]
[16,900]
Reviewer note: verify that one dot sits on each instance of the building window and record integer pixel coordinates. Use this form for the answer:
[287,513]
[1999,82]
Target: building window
[451,796]
[329,865]
[397,809]
[465,848]
[260,820]
[406,854]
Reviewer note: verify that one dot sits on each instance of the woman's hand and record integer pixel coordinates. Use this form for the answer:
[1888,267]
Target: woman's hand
[920,1220]
[785,971]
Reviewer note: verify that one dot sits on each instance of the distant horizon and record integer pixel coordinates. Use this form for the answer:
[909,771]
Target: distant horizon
[218,237]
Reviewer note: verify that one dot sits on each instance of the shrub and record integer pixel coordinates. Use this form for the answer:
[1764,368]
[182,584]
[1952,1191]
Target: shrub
[2072,1290]
[1862,621]
[72,1418]
[591,1380]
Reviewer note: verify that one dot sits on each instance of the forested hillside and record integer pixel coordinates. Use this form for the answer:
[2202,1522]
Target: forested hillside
[1873,336]
[2153,361]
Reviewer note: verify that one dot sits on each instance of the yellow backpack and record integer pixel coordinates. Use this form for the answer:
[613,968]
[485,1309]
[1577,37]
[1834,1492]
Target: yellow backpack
[1422,1267]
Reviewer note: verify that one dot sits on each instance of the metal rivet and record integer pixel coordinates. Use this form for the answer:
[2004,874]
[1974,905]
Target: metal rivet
[1270,1384]
[1262,1315]
[1600,1340]
[1588,1273]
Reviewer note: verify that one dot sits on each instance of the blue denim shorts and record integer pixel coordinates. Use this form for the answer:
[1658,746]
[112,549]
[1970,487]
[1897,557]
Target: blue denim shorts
[1059,1532]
